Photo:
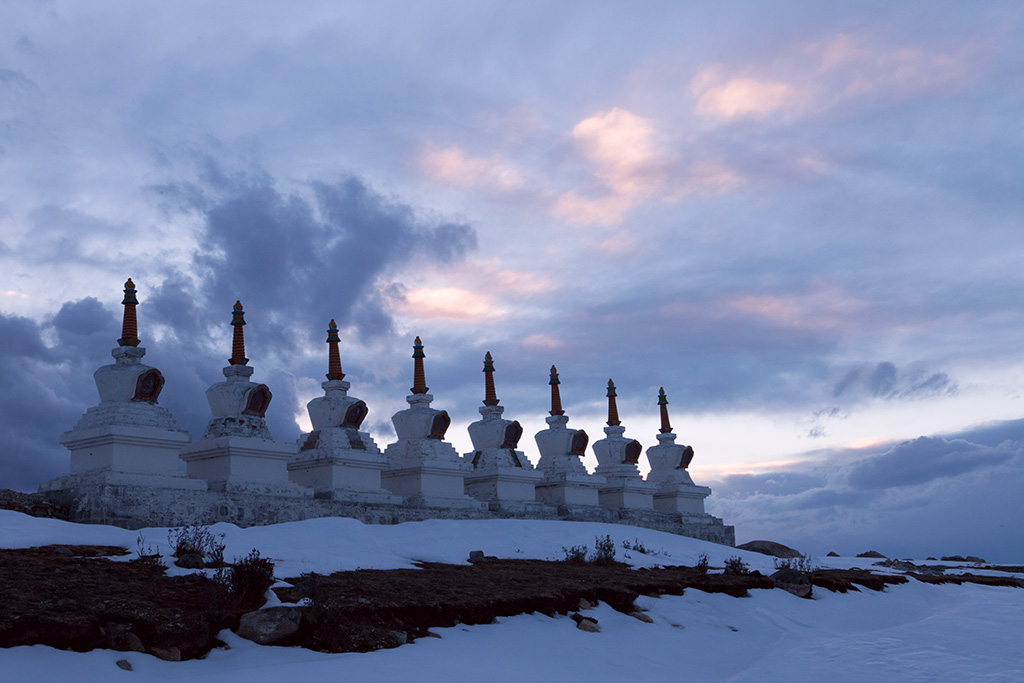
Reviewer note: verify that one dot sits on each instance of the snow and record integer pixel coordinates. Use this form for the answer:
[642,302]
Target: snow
[910,632]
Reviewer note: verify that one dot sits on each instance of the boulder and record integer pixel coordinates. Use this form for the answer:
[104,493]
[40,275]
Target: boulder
[792,581]
[268,626]
[873,554]
[832,553]
[953,558]
[972,558]
[770,548]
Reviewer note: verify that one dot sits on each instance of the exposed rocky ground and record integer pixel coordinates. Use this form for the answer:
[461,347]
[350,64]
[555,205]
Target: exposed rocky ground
[72,597]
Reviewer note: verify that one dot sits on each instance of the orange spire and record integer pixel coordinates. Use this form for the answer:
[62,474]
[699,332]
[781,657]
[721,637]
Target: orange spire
[238,338]
[556,398]
[333,356]
[613,411]
[663,402]
[490,398]
[419,378]
[130,325]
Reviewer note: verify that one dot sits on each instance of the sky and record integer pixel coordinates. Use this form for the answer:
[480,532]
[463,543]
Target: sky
[802,220]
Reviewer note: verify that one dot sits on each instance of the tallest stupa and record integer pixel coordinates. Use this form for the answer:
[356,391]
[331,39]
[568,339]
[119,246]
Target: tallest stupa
[127,438]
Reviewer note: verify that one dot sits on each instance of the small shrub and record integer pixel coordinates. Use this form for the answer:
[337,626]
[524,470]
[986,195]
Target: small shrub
[196,539]
[702,563]
[639,547]
[248,578]
[577,554]
[800,564]
[145,551]
[736,565]
[604,550]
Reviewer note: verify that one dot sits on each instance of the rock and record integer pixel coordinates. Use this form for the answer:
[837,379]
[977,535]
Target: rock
[124,664]
[932,559]
[61,550]
[770,548]
[268,626]
[589,625]
[577,617]
[873,554]
[832,553]
[476,555]
[642,617]
[400,637]
[953,558]
[792,581]
[134,642]
[585,604]
[170,654]
[190,561]
[972,558]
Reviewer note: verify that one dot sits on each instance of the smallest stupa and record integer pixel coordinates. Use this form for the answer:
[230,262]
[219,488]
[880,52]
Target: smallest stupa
[676,491]
[421,465]
[501,475]
[336,459]
[566,480]
[127,439]
[617,458]
[237,453]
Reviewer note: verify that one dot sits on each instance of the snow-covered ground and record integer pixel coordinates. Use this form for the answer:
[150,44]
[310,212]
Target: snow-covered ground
[912,632]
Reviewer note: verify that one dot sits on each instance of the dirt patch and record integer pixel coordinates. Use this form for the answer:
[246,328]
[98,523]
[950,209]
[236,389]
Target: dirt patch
[370,609]
[72,598]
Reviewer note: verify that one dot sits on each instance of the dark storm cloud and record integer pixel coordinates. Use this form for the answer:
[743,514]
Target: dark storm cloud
[297,262]
[927,496]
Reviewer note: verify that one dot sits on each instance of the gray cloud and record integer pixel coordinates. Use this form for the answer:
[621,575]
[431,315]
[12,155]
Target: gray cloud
[885,381]
[927,496]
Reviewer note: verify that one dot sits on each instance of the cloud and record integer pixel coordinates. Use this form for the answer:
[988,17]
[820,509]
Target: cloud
[928,496]
[742,97]
[449,303]
[884,380]
[453,166]
[816,76]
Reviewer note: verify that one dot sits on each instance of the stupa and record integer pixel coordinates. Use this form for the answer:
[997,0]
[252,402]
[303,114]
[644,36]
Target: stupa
[669,460]
[127,438]
[616,462]
[237,453]
[566,480]
[501,475]
[421,465]
[336,459]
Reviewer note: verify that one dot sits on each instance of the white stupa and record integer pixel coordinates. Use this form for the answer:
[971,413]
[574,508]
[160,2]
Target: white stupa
[616,462]
[669,460]
[237,453]
[566,480]
[127,438]
[421,465]
[501,475]
[336,459]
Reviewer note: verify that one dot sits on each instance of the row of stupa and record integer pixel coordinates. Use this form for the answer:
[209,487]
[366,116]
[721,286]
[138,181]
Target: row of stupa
[129,440]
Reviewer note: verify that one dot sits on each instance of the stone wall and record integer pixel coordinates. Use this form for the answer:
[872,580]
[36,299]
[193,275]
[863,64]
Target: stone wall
[96,501]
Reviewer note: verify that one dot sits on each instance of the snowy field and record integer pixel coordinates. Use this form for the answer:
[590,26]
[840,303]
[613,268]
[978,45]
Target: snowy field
[911,632]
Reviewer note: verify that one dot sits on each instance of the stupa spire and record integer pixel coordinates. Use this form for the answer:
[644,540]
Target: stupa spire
[419,378]
[333,355]
[556,398]
[613,411]
[666,428]
[490,397]
[238,337]
[130,325]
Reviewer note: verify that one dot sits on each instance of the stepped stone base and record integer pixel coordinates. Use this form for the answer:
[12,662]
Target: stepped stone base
[569,489]
[96,500]
[440,485]
[503,485]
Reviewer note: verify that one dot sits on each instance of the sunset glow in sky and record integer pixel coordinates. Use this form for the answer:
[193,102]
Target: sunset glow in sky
[803,220]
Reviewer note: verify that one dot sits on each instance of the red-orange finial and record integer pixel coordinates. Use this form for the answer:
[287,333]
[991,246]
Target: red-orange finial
[130,325]
[556,397]
[613,411]
[333,356]
[666,428]
[238,337]
[419,378]
[490,397]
